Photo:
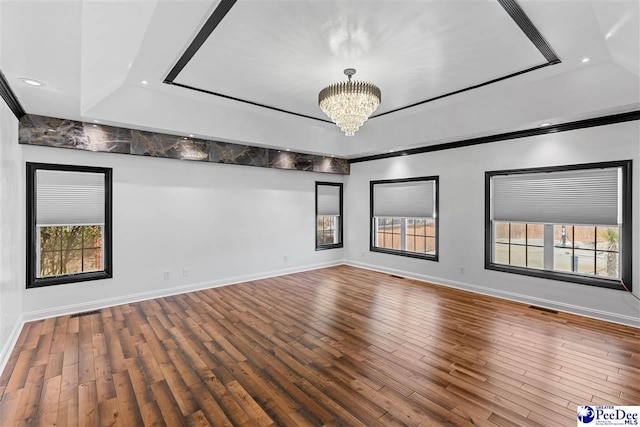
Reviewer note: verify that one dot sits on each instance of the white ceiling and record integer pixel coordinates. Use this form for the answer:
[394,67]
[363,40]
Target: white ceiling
[418,52]
[93,56]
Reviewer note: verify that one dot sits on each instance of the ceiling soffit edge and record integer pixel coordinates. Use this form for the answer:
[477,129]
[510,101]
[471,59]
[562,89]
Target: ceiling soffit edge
[562,127]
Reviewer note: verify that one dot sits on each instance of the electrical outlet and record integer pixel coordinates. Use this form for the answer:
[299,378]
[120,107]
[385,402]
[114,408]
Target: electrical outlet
[461,269]
[286,258]
[166,275]
[185,271]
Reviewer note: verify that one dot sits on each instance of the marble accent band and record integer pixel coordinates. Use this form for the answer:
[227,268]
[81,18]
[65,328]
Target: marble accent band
[53,132]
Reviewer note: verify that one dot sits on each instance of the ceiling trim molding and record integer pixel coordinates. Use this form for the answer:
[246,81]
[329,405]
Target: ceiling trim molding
[524,23]
[563,127]
[517,14]
[197,89]
[10,98]
[209,26]
[214,20]
[517,73]
[512,8]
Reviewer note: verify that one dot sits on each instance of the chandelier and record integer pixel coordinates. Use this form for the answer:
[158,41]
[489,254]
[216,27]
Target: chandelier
[349,104]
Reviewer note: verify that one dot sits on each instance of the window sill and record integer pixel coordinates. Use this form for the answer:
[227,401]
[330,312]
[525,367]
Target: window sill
[428,257]
[556,275]
[71,278]
[325,247]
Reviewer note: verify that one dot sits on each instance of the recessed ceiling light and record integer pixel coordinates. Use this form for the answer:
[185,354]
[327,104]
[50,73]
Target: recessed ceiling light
[95,126]
[288,149]
[144,82]
[586,59]
[32,82]
[545,124]
[333,155]
[190,135]
[391,151]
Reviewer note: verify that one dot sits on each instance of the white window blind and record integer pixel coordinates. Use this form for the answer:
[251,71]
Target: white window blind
[587,197]
[415,199]
[328,200]
[69,198]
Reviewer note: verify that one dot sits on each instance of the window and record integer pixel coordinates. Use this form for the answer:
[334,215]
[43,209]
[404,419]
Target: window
[570,223]
[328,215]
[69,224]
[404,217]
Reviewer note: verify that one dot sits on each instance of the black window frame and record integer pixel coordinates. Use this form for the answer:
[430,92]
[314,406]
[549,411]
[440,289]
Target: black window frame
[626,243]
[107,246]
[408,254]
[340,224]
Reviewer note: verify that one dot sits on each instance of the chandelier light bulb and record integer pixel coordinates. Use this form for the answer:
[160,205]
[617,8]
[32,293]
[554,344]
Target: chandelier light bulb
[349,104]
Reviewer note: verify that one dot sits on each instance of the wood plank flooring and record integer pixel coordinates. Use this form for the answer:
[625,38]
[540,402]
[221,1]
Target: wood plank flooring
[338,346]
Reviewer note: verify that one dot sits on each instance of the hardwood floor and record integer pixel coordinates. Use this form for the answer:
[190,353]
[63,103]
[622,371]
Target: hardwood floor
[338,346]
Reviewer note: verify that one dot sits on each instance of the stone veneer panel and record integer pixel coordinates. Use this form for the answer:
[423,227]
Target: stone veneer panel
[236,154]
[52,132]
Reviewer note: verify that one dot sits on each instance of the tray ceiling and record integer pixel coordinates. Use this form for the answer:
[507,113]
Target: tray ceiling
[449,70]
[414,51]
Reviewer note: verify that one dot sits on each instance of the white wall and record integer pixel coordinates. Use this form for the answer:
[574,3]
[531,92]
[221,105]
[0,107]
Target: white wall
[225,223]
[235,223]
[461,213]
[12,235]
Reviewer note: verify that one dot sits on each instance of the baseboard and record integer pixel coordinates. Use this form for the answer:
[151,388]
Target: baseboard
[5,353]
[143,296]
[511,296]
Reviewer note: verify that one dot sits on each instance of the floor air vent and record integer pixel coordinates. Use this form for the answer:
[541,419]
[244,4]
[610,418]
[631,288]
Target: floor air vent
[546,310]
[86,313]
[396,277]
